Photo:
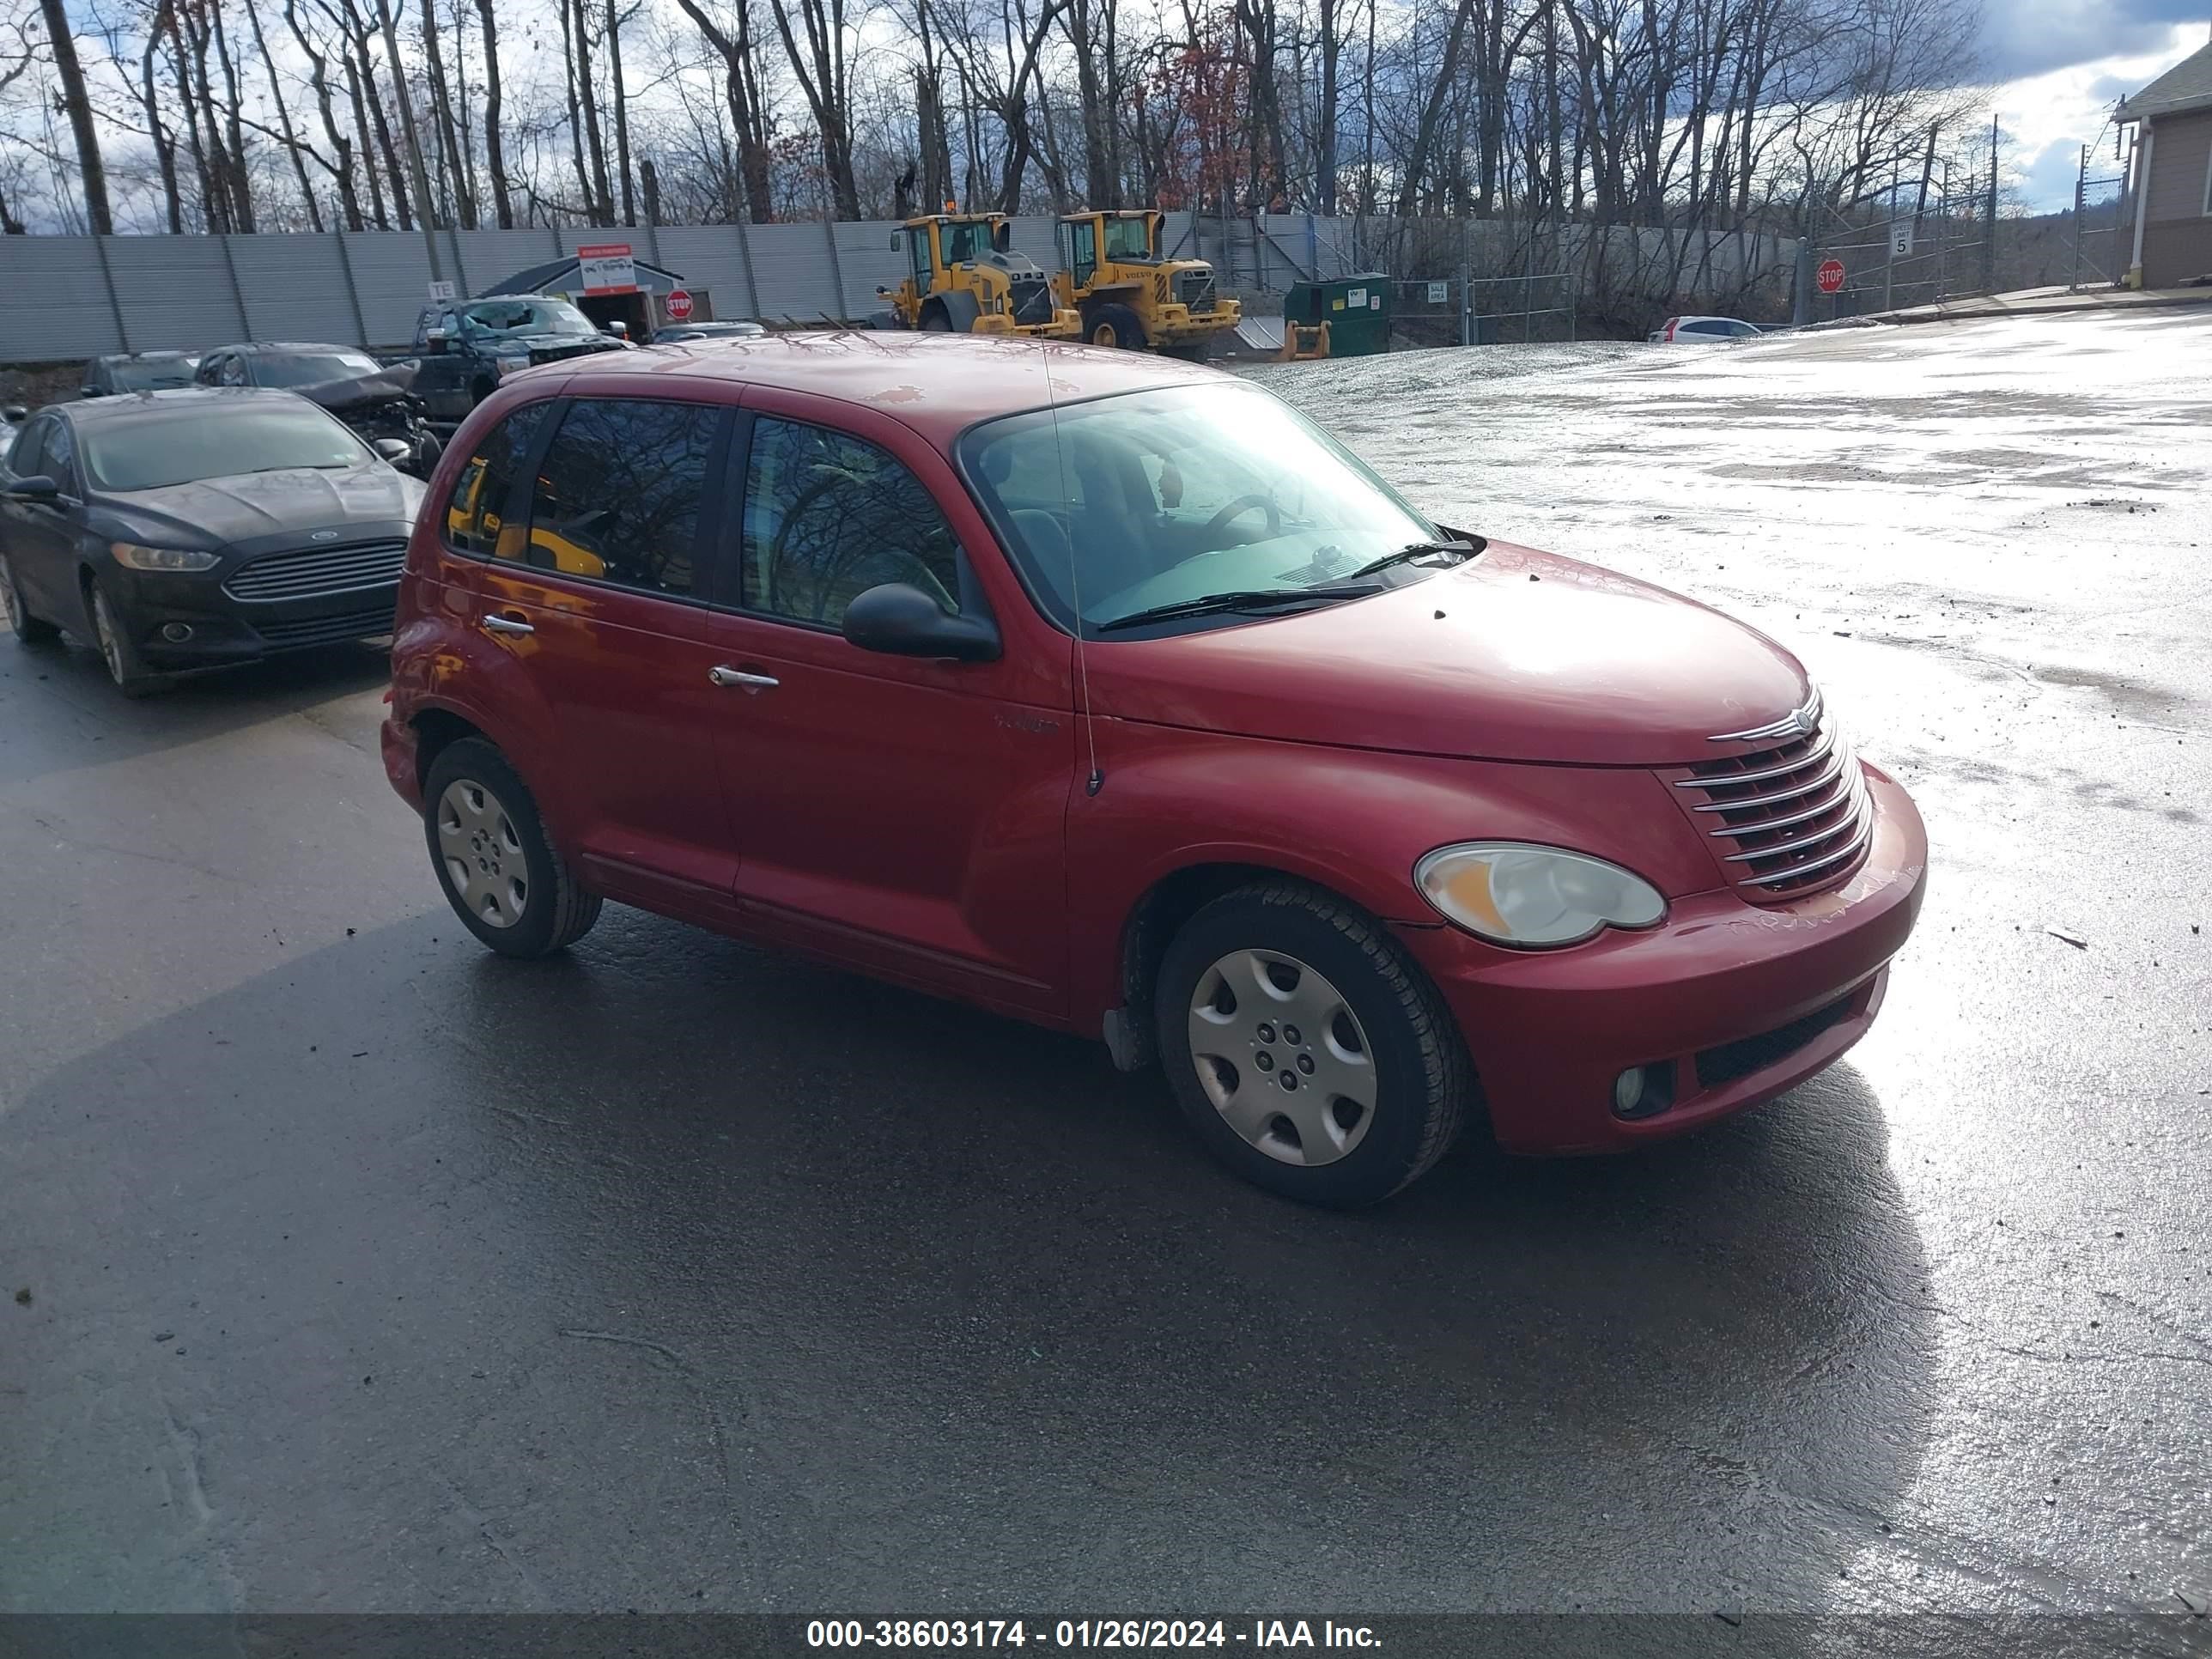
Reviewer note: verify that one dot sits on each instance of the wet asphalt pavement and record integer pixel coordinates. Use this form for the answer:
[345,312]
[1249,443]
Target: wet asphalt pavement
[345,1267]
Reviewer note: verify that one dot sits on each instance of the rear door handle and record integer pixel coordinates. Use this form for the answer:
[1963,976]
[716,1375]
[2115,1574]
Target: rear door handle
[723,674]
[495,624]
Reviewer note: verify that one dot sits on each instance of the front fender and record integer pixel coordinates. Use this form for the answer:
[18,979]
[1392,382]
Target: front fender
[1353,821]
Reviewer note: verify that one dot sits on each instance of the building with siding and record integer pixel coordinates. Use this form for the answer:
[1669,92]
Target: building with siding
[2173,169]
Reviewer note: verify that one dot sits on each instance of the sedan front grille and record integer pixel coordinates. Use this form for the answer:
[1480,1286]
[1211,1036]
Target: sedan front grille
[326,630]
[1784,821]
[319,572]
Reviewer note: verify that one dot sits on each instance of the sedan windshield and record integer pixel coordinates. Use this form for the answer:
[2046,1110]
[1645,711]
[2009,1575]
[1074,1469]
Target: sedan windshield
[312,368]
[208,442]
[159,375]
[1151,499]
[526,317]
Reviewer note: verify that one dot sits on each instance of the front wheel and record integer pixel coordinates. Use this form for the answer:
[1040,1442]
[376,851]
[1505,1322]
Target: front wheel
[118,650]
[1115,325]
[935,321]
[500,870]
[1310,1056]
[32,630]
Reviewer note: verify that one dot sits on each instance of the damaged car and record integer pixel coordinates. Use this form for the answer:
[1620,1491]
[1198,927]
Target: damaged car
[377,400]
[467,348]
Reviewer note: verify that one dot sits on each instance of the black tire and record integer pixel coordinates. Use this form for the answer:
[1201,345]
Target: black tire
[1127,328]
[1189,351]
[32,630]
[935,321]
[427,452]
[554,911]
[1424,1083]
[119,649]
[480,391]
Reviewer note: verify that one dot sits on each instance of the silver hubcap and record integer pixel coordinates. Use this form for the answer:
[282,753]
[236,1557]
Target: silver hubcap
[1282,1057]
[103,624]
[483,853]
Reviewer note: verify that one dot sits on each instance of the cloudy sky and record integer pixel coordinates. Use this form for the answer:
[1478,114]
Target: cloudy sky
[2062,63]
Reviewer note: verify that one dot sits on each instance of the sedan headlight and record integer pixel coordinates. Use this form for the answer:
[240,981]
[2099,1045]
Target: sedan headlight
[1512,893]
[140,557]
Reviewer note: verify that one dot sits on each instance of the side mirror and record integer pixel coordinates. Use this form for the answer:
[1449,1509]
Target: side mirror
[87,391]
[900,620]
[394,449]
[39,487]
[1002,238]
[14,414]
[898,239]
[436,340]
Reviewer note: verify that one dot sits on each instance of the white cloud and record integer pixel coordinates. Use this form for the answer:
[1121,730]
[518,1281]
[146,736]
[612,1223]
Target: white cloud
[2048,117]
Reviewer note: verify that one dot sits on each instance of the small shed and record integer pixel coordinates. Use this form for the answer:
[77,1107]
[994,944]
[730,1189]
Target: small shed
[642,308]
[2173,221]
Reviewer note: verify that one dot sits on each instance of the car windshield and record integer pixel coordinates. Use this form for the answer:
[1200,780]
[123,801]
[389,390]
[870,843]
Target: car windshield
[1126,240]
[158,376]
[212,442]
[311,368]
[1162,497]
[526,317]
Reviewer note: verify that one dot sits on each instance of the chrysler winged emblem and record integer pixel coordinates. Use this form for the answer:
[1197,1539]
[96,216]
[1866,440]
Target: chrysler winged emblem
[1800,722]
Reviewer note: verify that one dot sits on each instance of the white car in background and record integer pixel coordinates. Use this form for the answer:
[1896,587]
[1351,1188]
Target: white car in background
[1703,330]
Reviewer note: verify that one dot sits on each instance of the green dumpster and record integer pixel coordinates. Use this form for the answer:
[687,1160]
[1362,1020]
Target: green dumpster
[1356,308]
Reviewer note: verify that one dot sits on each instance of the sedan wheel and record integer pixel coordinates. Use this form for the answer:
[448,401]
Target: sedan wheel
[113,635]
[27,627]
[483,855]
[1279,1053]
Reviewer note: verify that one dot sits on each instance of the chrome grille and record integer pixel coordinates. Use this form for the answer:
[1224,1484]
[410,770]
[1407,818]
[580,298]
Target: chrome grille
[1195,290]
[318,572]
[1787,820]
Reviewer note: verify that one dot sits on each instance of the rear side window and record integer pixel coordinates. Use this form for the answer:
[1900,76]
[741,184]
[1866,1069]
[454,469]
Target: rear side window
[477,512]
[618,497]
[829,516]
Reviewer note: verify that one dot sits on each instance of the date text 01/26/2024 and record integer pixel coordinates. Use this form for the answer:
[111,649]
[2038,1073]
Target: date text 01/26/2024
[945,1635]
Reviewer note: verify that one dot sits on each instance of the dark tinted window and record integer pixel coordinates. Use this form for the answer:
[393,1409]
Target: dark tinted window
[160,375]
[829,516]
[618,493]
[23,455]
[177,446]
[476,511]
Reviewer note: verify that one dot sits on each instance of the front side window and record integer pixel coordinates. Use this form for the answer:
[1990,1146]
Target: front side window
[964,244]
[1125,503]
[254,435]
[618,495]
[1126,240]
[1082,250]
[477,513]
[829,516]
[27,459]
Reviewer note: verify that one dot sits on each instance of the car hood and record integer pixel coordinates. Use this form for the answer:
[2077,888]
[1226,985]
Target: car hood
[214,512]
[1517,656]
[555,345]
[362,392]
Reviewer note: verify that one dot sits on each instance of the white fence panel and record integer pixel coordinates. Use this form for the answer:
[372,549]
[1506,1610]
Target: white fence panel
[866,260]
[175,292]
[792,263]
[294,289]
[710,257]
[53,301]
[487,258]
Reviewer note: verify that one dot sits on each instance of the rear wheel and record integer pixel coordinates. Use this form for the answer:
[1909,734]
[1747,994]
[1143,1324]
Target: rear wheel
[500,870]
[111,629]
[1308,1053]
[31,629]
[935,321]
[1113,325]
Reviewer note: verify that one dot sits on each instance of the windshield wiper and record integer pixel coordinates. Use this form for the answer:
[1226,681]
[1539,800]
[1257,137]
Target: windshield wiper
[1250,598]
[1413,550]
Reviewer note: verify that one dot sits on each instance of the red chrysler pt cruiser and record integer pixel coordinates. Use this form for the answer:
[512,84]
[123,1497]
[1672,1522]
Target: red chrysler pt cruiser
[1109,692]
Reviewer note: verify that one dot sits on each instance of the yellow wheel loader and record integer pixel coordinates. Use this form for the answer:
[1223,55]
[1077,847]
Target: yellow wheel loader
[1112,275]
[967,279]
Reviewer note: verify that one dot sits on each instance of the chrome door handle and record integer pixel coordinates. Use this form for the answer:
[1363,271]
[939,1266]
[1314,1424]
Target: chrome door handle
[722,674]
[505,625]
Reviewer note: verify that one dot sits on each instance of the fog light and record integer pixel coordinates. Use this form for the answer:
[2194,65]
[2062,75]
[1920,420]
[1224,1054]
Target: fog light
[1643,1091]
[176,633]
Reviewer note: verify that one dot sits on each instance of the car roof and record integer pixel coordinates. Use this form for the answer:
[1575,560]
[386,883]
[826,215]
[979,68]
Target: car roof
[277,348]
[129,405]
[143,356]
[940,383]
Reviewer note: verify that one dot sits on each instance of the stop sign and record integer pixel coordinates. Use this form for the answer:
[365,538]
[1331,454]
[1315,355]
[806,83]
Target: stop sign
[1830,276]
[679,303]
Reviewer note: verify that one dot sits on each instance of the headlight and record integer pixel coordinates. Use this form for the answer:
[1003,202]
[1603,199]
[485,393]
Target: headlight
[139,558]
[513,365]
[1515,894]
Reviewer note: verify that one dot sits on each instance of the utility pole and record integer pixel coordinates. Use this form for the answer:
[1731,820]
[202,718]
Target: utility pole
[424,208]
[1989,223]
[2081,184]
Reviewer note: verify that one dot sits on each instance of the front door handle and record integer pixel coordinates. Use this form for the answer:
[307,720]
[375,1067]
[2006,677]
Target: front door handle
[496,624]
[723,674]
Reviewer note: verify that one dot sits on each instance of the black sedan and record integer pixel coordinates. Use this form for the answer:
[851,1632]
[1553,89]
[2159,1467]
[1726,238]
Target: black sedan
[138,371]
[377,400]
[188,530]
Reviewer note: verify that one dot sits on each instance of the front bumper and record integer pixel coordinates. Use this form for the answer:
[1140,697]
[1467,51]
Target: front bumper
[1177,321]
[221,630]
[1733,1002]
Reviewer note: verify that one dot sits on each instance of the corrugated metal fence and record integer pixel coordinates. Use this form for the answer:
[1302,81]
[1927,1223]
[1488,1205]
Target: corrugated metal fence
[63,298]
